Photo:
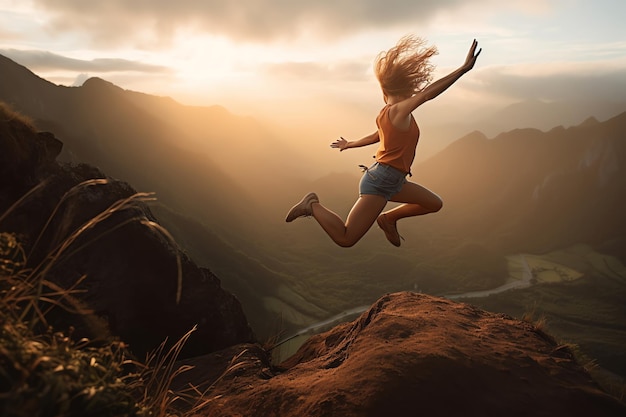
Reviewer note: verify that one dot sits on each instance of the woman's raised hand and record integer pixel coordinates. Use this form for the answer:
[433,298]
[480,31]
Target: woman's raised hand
[470,60]
[340,144]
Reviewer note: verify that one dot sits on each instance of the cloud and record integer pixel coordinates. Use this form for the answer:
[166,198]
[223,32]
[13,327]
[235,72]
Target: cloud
[571,81]
[43,60]
[347,71]
[119,21]
[7,34]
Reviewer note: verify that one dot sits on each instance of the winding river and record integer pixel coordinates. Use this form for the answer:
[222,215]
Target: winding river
[288,346]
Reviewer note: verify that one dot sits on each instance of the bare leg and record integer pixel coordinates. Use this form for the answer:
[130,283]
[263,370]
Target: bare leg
[418,201]
[361,217]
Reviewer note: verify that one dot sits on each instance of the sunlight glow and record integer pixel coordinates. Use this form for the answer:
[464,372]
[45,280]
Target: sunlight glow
[200,61]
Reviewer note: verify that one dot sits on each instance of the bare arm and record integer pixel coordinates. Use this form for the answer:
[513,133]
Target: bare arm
[343,144]
[405,107]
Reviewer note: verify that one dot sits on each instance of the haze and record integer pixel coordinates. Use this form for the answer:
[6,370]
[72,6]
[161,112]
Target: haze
[293,77]
[304,64]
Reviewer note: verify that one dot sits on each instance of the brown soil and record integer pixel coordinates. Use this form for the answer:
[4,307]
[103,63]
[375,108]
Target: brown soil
[408,355]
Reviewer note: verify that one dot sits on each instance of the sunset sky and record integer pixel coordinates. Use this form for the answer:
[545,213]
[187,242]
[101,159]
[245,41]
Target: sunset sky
[253,55]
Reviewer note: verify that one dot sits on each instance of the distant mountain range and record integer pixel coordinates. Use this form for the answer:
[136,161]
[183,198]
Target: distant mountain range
[545,116]
[224,190]
[533,190]
[535,114]
[179,152]
[194,158]
[89,280]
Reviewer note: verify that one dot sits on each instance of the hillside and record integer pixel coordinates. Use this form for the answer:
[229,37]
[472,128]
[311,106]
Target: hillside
[98,239]
[179,152]
[522,191]
[527,190]
[101,126]
[81,230]
[94,236]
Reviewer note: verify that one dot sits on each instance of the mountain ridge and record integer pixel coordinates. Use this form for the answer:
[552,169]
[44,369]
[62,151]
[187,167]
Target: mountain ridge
[545,115]
[524,190]
[522,162]
[77,222]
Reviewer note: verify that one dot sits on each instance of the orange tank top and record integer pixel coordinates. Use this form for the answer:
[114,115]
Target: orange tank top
[397,147]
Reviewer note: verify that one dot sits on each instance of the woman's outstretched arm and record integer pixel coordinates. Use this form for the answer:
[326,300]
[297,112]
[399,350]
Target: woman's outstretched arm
[405,107]
[343,144]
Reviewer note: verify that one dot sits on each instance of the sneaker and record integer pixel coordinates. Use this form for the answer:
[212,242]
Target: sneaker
[303,208]
[391,232]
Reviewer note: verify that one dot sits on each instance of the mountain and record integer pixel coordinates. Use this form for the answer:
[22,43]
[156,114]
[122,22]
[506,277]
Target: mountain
[528,190]
[559,195]
[544,116]
[102,267]
[521,191]
[440,131]
[100,126]
[200,161]
[187,155]
[93,236]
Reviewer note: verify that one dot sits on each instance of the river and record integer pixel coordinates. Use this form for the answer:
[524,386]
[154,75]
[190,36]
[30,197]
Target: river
[289,345]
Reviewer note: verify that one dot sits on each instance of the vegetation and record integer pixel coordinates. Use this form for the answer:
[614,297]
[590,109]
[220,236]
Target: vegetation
[46,372]
[9,113]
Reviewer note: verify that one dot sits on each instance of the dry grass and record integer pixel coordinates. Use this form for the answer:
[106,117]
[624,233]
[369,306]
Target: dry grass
[610,383]
[9,114]
[538,320]
[46,372]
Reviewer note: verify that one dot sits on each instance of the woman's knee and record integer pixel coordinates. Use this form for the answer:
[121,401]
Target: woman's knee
[436,205]
[345,242]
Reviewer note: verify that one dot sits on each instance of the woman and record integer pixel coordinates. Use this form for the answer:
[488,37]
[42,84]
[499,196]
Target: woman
[404,73]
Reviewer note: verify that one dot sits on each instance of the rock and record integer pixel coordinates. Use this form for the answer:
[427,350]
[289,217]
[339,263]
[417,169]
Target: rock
[25,153]
[129,263]
[412,354]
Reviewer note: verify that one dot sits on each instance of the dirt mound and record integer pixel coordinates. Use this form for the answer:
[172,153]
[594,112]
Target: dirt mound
[412,354]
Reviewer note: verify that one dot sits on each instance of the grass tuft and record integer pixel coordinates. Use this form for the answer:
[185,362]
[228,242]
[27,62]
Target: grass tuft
[46,372]
[7,113]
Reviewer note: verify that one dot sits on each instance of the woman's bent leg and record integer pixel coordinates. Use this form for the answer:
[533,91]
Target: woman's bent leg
[418,201]
[361,217]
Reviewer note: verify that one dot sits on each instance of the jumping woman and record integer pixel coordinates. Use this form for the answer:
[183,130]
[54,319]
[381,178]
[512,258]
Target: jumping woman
[404,73]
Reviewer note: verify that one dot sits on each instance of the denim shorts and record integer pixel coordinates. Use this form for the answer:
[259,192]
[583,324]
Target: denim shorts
[383,180]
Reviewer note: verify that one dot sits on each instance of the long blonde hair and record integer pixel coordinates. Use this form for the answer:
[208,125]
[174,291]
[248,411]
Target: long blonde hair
[405,69]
